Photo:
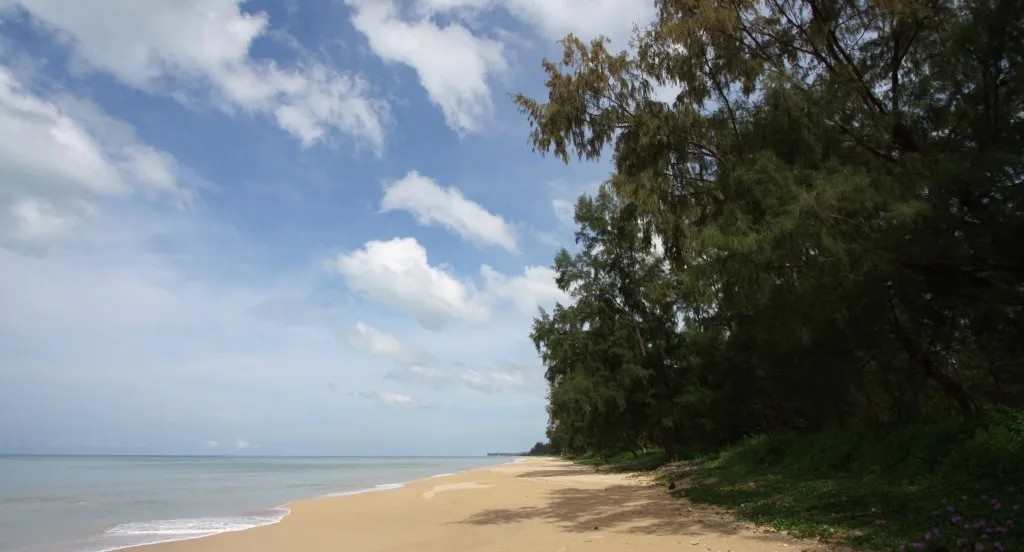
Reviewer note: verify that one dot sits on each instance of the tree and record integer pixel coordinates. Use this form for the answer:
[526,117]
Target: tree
[837,186]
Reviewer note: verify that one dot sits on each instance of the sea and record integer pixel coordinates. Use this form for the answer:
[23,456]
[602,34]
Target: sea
[99,503]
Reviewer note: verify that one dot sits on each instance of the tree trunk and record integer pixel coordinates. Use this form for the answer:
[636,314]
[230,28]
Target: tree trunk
[925,365]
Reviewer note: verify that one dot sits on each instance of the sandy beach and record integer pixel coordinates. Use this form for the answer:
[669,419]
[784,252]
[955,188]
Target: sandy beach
[532,504]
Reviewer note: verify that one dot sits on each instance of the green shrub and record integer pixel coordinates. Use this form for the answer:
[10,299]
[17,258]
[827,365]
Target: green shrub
[877,489]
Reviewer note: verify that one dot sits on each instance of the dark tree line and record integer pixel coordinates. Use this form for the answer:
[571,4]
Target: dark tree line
[822,228]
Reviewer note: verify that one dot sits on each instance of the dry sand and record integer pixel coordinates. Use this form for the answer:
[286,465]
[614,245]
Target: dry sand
[532,505]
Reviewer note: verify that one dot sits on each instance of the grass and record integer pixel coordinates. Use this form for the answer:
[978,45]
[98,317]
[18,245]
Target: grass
[940,487]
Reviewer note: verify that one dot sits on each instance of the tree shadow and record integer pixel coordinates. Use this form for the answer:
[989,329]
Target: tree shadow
[568,471]
[621,508]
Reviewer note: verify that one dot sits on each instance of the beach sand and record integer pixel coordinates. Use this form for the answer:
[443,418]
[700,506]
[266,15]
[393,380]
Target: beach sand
[536,504]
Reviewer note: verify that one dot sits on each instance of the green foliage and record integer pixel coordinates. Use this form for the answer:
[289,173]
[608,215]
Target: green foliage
[626,461]
[875,490]
[819,231]
[815,241]
[543,449]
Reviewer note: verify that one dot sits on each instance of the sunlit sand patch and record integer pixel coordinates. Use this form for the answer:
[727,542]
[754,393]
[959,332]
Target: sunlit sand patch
[469,485]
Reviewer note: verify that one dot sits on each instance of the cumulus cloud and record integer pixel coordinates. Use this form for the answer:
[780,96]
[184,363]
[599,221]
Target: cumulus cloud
[397,273]
[433,204]
[452,63]
[532,289]
[127,314]
[42,200]
[384,345]
[187,48]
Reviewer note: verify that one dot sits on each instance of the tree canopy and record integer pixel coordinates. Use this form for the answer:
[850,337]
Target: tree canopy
[813,220]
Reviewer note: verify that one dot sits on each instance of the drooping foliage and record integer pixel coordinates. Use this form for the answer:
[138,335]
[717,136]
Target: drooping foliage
[814,220]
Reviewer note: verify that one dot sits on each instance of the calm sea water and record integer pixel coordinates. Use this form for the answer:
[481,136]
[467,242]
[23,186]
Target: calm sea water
[92,503]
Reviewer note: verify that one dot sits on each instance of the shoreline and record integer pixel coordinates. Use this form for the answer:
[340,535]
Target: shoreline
[527,504]
[285,510]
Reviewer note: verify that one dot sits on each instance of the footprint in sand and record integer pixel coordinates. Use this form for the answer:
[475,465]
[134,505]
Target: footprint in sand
[454,487]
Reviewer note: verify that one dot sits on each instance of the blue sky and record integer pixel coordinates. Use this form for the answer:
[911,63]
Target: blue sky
[279,227]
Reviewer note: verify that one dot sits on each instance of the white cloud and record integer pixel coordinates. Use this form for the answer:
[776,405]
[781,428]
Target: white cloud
[35,132]
[431,204]
[59,156]
[453,64]
[431,6]
[420,373]
[196,47]
[36,220]
[489,380]
[389,398]
[242,444]
[556,18]
[127,314]
[397,273]
[212,444]
[492,381]
[586,18]
[377,343]
[395,398]
[534,288]
[151,167]
[426,372]
[426,376]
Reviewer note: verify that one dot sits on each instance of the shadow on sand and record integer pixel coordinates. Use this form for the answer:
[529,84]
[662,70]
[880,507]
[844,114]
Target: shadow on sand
[632,509]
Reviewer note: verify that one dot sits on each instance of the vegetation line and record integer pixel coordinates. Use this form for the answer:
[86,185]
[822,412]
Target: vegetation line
[812,235]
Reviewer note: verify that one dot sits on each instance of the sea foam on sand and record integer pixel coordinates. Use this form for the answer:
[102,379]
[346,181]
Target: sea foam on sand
[165,530]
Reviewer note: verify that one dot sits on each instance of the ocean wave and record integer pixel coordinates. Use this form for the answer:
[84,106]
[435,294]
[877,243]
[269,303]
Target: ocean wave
[375,488]
[167,530]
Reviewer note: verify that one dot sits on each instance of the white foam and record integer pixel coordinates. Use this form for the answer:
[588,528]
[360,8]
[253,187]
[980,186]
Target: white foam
[169,530]
[374,489]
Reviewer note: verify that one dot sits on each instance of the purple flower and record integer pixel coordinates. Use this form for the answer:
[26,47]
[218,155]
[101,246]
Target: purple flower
[956,519]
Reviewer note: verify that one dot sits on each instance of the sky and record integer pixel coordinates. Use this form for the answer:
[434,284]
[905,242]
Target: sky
[254,227]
